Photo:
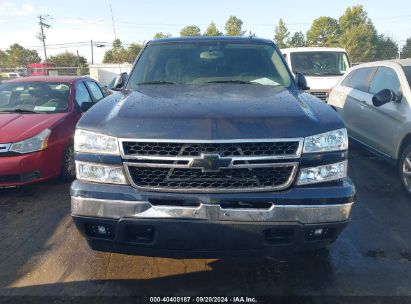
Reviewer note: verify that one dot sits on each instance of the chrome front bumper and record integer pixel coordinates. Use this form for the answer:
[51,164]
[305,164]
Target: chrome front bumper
[117,209]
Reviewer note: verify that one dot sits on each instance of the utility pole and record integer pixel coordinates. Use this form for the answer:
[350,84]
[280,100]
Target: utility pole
[92,52]
[112,19]
[41,35]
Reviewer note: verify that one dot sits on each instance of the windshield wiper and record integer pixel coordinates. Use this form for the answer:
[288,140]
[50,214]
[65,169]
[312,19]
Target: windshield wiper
[157,82]
[21,111]
[323,74]
[231,81]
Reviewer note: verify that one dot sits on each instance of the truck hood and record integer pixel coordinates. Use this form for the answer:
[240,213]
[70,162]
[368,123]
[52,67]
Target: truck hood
[17,127]
[214,111]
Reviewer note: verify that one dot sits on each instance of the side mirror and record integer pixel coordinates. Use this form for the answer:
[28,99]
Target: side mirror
[85,106]
[385,96]
[301,81]
[119,82]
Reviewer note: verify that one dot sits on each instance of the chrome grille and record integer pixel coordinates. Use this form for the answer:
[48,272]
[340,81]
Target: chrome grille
[211,166]
[320,94]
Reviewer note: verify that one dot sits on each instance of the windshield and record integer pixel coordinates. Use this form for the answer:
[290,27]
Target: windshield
[36,97]
[210,62]
[407,71]
[319,63]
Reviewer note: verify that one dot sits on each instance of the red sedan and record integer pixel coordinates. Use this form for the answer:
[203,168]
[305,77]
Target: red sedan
[38,116]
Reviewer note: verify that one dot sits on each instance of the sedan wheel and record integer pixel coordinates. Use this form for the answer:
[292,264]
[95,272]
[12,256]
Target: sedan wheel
[68,171]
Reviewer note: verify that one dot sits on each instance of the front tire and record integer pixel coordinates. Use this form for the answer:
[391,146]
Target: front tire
[404,168]
[68,169]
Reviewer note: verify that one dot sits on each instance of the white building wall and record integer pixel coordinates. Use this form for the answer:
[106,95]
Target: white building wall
[104,73]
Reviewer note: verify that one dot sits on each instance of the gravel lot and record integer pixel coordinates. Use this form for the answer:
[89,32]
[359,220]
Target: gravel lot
[43,254]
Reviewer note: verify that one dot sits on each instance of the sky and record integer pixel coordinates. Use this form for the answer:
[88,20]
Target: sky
[77,21]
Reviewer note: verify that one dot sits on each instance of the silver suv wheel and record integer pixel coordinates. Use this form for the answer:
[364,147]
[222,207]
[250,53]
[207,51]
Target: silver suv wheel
[406,172]
[404,166]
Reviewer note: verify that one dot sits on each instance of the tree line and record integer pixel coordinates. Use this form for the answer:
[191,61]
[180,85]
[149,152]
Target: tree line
[17,56]
[354,31]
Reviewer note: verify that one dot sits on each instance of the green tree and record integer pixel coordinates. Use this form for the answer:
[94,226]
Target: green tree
[406,49]
[161,35]
[111,56]
[212,30]
[385,48]
[119,54]
[3,59]
[234,27]
[358,34]
[297,40]
[190,30]
[133,51]
[281,34]
[18,56]
[67,59]
[324,31]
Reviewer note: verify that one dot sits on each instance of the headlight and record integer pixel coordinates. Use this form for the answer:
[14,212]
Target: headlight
[32,144]
[90,142]
[326,142]
[322,173]
[100,173]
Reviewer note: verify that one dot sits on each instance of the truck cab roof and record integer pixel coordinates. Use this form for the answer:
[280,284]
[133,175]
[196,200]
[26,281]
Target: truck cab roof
[211,38]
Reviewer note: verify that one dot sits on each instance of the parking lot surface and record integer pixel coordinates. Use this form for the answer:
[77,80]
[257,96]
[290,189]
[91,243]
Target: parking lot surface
[43,254]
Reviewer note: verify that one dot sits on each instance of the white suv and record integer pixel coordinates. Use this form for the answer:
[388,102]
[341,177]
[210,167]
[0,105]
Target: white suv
[374,99]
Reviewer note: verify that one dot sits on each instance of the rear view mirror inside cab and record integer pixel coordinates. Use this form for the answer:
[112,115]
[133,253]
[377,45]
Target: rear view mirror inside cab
[211,54]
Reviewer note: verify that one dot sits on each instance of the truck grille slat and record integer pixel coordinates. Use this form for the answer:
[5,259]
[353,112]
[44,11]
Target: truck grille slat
[196,149]
[320,95]
[225,179]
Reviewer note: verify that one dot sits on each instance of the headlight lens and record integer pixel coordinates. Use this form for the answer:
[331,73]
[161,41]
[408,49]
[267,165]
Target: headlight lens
[32,144]
[90,142]
[322,173]
[100,173]
[326,142]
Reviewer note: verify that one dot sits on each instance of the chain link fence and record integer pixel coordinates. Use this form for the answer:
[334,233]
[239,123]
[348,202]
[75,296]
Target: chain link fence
[12,73]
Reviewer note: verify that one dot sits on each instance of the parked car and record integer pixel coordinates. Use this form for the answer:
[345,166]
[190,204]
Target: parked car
[321,66]
[38,116]
[374,99]
[211,148]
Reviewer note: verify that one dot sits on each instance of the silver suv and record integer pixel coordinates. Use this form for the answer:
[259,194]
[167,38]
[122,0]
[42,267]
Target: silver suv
[374,99]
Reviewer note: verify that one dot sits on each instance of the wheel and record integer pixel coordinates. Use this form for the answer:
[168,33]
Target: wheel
[404,168]
[68,169]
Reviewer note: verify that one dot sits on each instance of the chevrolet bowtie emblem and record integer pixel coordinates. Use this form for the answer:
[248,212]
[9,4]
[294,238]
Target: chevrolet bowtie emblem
[210,163]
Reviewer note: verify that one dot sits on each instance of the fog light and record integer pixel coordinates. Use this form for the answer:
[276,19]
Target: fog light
[318,232]
[100,231]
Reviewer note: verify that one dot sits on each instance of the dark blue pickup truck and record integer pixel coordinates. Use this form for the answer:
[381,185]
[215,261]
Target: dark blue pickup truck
[211,148]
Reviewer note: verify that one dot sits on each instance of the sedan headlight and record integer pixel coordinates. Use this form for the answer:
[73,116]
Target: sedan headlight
[32,144]
[100,173]
[322,174]
[327,142]
[91,142]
